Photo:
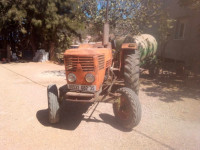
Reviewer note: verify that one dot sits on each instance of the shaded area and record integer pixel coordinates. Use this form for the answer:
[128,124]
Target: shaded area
[71,118]
[60,73]
[110,120]
[171,88]
[71,115]
[16,62]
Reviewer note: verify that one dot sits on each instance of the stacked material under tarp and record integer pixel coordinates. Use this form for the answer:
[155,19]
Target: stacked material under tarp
[41,56]
[147,45]
[14,57]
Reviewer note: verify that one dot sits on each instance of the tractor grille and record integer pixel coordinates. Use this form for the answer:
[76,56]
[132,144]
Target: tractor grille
[101,61]
[108,63]
[87,63]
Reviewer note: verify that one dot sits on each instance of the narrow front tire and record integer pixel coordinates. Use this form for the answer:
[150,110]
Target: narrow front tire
[53,104]
[127,108]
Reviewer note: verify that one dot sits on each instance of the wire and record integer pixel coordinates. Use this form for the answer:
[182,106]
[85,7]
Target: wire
[23,76]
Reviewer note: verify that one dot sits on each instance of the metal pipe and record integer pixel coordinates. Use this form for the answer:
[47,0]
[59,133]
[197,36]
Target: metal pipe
[79,94]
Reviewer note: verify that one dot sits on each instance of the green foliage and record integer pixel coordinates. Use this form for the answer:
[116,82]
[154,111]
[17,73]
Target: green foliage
[165,25]
[125,17]
[41,22]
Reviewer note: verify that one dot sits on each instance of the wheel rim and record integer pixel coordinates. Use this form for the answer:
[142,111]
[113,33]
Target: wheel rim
[123,108]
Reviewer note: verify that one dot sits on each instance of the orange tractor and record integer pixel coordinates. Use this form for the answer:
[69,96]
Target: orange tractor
[92,77]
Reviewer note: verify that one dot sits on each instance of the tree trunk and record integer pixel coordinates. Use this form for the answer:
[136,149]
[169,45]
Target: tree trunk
[8,52]
[52,50]
[32,43]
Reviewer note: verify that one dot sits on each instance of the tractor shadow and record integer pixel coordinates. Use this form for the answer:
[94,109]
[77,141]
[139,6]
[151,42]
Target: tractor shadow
[171,88]
[107,119]
[74,113]
[110,120]
[71,117]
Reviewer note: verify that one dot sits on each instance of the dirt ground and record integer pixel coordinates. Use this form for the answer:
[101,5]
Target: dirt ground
[170,114]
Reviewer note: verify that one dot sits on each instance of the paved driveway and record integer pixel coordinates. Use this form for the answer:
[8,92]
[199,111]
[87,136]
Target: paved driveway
[170,118]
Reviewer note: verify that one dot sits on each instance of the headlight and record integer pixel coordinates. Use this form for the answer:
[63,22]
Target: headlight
[71,77]
[89,78]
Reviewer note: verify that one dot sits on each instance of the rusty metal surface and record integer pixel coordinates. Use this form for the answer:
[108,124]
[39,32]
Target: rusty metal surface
[79,94]
[88,98]
[82,101]
[129,46]
[80,69]
[115,94]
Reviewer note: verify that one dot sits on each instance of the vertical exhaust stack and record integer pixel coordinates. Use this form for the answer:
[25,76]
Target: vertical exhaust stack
[106,28]
[106,34]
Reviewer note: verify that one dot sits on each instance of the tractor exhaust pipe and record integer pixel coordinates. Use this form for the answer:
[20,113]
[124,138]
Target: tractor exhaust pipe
[106,34]
[106,28]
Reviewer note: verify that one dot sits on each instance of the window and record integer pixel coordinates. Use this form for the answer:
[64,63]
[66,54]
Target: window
[180,29]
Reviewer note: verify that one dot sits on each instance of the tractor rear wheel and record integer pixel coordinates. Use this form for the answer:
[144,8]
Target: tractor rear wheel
[132,70]
[53,104]
[127,108]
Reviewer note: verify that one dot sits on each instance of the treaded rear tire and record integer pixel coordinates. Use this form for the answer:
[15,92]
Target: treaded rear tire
[132,104]
[53,104]
[132,70]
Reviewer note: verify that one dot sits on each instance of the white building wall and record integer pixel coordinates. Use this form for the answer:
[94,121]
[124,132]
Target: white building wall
[186,49]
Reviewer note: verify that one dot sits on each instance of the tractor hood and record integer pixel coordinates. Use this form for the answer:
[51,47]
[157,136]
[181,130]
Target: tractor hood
[84,60]
[87,52]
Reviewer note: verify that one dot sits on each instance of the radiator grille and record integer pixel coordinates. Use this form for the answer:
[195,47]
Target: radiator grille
[108,63]
[87,63]
[101,61]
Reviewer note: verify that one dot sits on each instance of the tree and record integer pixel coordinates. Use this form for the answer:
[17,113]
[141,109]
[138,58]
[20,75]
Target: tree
[51,24]
[39,23]
[125,17]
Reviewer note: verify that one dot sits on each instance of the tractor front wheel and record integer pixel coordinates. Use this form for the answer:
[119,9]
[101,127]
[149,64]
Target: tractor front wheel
[127,108]
[62,92]
[53,104]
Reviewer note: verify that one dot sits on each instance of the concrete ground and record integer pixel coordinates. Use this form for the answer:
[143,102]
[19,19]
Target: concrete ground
[170,115]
